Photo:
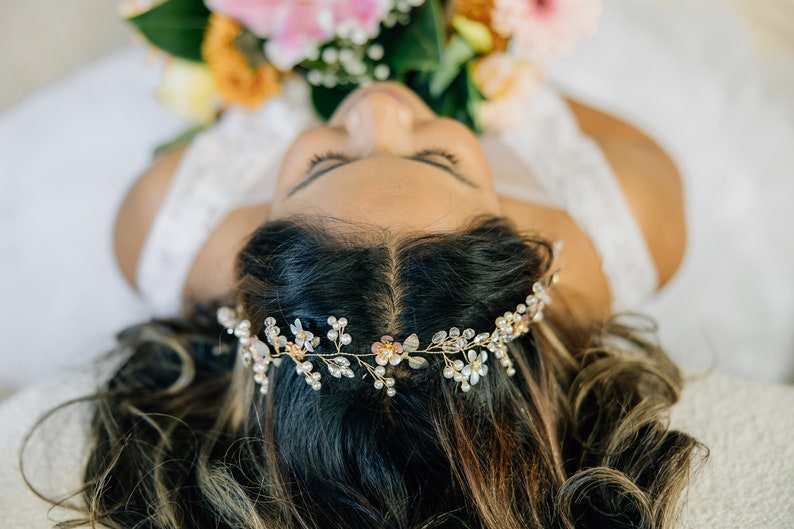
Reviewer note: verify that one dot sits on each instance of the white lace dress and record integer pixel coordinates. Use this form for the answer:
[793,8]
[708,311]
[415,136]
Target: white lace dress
[236,163]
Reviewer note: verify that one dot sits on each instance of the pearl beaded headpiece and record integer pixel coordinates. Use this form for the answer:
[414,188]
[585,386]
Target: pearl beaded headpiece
[465,352]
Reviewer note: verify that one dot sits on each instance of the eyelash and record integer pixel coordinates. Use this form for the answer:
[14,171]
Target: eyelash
[330,155]
[434,151]
[438,151]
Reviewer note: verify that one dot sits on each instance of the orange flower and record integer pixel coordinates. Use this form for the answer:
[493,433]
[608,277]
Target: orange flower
[238,81]
[480,11]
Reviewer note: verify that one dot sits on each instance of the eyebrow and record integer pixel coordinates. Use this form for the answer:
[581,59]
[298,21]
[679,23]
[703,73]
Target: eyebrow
[314,176]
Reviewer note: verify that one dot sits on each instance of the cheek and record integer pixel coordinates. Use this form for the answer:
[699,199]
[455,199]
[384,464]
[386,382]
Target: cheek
[293,165]
[481,173]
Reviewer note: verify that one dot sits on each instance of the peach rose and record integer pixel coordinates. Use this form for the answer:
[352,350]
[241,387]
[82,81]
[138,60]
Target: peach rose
[507,84]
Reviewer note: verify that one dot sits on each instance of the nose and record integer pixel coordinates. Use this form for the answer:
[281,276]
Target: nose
[379,122]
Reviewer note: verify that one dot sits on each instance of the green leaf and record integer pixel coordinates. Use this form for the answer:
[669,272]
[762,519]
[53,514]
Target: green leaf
[326,100]
[179,141]
[475,33]
[418,46]
[456,54]
[473,100]
[175,26]
[458,101]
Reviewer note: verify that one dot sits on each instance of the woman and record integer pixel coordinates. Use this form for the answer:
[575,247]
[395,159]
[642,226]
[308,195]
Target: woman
[400,231]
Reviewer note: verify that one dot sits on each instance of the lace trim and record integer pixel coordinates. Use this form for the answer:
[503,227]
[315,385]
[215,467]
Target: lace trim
[217,171]
[573,169]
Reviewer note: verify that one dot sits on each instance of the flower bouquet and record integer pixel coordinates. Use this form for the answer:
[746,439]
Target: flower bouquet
[476,61]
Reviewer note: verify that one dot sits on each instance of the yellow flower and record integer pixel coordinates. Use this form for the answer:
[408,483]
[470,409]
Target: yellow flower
[475,33]
[189,91]
[238,81]
[480,11]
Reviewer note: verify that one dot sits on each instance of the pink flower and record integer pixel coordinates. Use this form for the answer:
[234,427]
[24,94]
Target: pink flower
[387,351]
[507,84]
[364,15]
[295,29]
[542,29]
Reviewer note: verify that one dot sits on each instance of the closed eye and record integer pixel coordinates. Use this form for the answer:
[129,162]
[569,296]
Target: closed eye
[433,157]
[321,164]
[325,161]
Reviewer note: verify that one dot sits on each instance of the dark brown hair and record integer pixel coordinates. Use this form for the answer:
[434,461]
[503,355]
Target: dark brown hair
[576,439]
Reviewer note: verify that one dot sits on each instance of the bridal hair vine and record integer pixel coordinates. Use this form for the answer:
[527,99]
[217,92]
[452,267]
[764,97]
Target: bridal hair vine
[465,352]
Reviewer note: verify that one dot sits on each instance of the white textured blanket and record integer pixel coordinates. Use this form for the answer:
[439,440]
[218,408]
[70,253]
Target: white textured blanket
[746,483]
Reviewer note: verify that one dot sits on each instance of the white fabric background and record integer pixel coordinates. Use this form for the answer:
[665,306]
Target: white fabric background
[686,72]
[682,71]
[67,155]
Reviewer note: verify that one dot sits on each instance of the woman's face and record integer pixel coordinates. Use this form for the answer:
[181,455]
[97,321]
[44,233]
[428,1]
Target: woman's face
[386,159]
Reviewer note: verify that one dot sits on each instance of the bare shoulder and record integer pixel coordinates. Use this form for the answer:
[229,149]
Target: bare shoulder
[650,180]
[137,212]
